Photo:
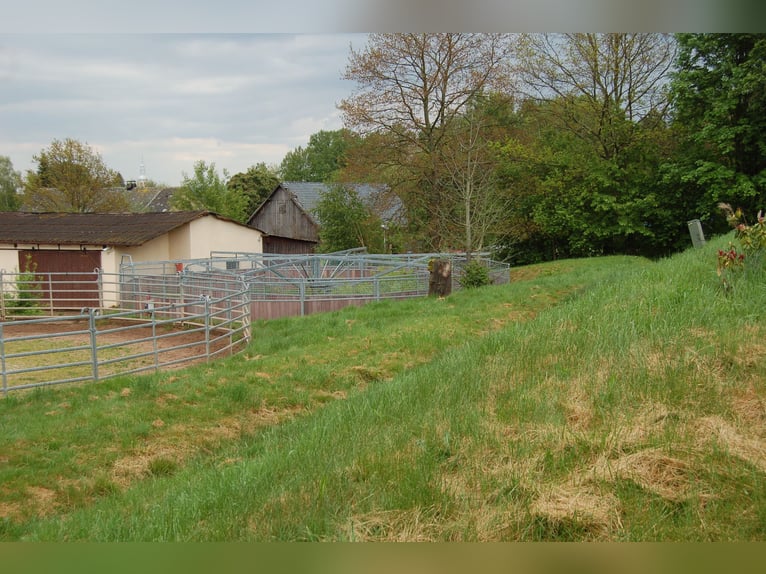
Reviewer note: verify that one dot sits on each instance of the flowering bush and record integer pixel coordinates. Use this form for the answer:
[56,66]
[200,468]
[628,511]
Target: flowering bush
[752,239]
[730,263]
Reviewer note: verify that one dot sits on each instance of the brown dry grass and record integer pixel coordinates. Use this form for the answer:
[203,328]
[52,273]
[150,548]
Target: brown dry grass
[746,447]
[411,525]
[595,512]
[628,452]
[651,468]
[181,441]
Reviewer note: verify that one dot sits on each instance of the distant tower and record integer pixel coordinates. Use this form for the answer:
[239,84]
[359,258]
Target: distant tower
[142,174]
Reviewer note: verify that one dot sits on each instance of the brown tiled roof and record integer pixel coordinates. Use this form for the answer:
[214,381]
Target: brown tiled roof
[117,229]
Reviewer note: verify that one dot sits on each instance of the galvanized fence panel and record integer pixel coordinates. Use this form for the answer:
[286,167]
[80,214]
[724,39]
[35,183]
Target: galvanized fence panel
[92,346]
[151,306]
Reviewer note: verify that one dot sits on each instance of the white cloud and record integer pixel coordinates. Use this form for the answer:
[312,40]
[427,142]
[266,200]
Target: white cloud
[232,99]
[213,85]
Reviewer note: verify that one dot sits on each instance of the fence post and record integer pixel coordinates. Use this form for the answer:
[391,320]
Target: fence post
[302,291]
[207,327]
[154,344]
[93,342]
[247,315]
[100,286]
[2,361]
[50,292]
[376,287]
[2,294]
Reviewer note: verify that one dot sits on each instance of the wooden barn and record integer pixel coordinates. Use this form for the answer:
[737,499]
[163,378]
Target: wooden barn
[287,216]
[287,224]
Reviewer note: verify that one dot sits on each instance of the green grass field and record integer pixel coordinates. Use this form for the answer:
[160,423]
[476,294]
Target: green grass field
[608,399]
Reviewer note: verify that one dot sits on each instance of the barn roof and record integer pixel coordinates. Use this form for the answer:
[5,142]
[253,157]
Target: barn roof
[118,229]
[309,193]
[375,196]
[160,201]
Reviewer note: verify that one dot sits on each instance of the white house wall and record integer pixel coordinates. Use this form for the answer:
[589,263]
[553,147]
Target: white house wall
[194,240]
[212,234]
[158,249]
[9,260]
[179,244]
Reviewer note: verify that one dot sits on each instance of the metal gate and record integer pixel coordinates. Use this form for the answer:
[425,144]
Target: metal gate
[67,278]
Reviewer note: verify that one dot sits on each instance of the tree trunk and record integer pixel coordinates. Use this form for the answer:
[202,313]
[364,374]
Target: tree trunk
[440,283]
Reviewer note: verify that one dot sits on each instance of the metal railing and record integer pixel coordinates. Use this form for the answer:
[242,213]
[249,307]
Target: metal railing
[288,285]
[67,327]
[94,346]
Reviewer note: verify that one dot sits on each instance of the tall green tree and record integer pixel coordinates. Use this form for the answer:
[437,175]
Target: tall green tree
[207,190]
[345,222]
[10,185]
[320,160]
[597,129]
[719,96]
[256,184]
[72,177]
[565,199]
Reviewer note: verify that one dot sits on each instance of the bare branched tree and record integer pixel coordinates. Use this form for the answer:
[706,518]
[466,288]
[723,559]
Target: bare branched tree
[411,88]
[470,164]
[603,84]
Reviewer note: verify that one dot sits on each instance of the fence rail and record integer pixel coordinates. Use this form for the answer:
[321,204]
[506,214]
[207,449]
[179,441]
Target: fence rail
[91,326]
[303,284]
[91,346]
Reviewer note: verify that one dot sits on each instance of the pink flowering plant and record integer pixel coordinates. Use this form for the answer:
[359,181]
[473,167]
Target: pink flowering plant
[730,264]
[752,239]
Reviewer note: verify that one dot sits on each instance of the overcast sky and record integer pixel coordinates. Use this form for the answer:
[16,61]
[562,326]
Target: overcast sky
[237,82]
[171,99]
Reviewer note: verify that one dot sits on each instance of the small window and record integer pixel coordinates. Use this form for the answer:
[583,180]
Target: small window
[282,207]
[232,264]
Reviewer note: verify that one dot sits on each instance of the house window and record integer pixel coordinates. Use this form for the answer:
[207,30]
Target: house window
[282,207]
[232,264]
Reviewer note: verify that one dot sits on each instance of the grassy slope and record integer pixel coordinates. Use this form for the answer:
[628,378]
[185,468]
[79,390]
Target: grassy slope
[602,399]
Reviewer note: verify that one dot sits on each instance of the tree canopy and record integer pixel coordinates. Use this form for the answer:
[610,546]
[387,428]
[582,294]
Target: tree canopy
[206,190]
[603,85]
[10,185]
[719,96]
[562,161]
[320,160]
[410,90]
[72,177]
[256,184]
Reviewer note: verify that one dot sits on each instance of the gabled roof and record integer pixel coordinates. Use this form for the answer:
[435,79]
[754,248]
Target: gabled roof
[306,192]
[309,193]
[160,201]
[142,199]
[117,229]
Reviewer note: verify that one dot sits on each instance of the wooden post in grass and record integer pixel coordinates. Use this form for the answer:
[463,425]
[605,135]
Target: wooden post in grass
[440,282]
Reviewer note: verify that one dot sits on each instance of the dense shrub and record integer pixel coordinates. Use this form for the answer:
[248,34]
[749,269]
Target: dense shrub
[475,274]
